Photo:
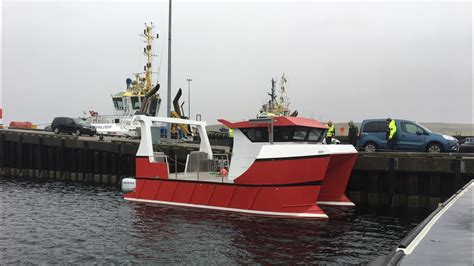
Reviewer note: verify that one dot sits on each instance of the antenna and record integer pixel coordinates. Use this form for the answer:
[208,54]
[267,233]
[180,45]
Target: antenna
[272,95]
[149,36]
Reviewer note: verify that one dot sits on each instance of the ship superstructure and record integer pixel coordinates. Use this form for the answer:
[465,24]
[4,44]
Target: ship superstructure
[140,95]
[278,104]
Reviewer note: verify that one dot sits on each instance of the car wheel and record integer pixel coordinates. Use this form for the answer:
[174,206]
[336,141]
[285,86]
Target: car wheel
[370,147]
[56,130]
[434,148]
[78,132]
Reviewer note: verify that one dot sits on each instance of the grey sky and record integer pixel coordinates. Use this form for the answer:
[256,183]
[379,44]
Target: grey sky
[344,60]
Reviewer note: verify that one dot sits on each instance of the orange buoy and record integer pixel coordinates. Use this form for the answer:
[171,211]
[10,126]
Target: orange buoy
[224,172]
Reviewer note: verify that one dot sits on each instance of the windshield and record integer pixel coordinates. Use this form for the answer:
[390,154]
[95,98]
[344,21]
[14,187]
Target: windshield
[135,103]
[118,103]
[284,134]
[79,121]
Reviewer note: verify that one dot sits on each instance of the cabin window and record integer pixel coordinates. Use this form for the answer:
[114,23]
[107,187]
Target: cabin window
[257,134]
[118,103]
[135,102]
[315,134]
[153,105]
[300,134]
[284,134]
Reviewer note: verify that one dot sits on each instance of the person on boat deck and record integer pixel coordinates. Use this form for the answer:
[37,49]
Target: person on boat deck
[331,132]
[353,131]
[391,134]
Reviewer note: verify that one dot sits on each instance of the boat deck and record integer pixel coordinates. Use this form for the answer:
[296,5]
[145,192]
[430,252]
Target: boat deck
[202,176]
[446,238]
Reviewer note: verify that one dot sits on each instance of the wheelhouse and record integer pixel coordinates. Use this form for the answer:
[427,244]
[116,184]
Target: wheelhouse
[280,129]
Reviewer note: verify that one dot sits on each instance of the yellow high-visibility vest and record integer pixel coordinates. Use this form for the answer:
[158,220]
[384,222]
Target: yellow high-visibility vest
[392,126]
[231,133]
[331,131]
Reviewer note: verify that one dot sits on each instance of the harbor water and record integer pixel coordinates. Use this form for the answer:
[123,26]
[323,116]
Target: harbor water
[45,222]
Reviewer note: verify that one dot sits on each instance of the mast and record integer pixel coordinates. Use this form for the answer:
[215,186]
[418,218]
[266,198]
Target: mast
[273,97]
[148,51]
[168,104]
[283,104]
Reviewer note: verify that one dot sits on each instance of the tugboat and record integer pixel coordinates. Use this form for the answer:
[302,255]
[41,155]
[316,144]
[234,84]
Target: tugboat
[139,96]
[279,167]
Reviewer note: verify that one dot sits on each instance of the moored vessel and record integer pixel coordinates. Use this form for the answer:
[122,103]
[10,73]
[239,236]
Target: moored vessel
[279,167]
[140,95]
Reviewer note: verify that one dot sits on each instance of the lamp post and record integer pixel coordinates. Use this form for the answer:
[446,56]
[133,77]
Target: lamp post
[168,104]
[189,97]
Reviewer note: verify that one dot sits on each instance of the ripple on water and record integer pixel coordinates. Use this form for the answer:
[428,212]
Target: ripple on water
[50,222]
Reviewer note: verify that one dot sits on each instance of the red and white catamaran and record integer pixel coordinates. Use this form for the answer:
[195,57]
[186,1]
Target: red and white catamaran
[278,167]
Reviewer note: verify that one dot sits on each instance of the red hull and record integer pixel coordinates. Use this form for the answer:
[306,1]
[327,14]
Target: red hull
[285,170]
[284,200]
[335,182]
[288,187]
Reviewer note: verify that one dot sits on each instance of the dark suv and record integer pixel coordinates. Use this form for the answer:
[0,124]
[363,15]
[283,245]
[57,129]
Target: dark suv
[72,125]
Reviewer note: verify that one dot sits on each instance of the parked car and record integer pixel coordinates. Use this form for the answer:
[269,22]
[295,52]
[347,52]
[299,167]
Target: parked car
[467,145]
[72,125]
[410,136]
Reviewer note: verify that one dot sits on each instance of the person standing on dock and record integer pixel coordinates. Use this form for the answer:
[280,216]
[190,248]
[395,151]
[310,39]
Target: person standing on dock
[391,132]
[331,132]
[353,132]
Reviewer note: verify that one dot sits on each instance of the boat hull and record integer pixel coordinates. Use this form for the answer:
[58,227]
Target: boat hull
[337,176]
[286,200]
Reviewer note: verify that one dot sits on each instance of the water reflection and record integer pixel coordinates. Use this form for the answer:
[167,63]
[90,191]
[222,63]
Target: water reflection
[230,237]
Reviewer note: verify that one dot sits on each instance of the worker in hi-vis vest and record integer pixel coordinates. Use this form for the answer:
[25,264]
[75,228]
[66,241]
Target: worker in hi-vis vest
[231,133]
[331,132]
[391,133]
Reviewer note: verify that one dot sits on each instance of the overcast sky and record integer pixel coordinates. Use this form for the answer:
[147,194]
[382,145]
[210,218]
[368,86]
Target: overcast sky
[344,60]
